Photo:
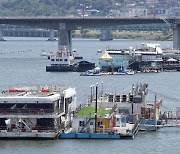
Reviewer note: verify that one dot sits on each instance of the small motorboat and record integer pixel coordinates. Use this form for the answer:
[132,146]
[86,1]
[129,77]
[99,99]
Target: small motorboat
[124,72]
[43,53]
[99,51]
[130,72]
[94,72]
[121,72]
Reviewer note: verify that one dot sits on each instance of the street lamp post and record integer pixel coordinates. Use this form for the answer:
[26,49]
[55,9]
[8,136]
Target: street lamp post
[132,107]
[83,9]
[91,94]
[96,108]
[102,88]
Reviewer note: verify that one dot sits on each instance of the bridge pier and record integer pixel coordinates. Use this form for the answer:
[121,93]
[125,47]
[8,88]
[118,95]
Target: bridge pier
[51,35]
[64,37]
[106,35]
[176,36]
[1,35]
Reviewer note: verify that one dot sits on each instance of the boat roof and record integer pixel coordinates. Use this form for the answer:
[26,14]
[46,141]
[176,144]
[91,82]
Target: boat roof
[90,111]
[106,56]
[35,93]
[172,60]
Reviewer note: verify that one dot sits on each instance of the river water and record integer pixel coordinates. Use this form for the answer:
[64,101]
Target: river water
[21,64]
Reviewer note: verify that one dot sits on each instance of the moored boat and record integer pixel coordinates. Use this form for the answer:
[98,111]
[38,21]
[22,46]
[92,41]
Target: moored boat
[130,72]
[62,61]
[36,111]
[65,61]
[94,72]
[83,65]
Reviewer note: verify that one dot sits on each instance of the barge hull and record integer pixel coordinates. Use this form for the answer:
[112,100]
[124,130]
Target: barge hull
[59,68]
[88,136]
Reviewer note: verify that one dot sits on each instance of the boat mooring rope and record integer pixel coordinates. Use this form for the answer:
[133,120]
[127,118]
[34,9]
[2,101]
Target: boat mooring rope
[165,96]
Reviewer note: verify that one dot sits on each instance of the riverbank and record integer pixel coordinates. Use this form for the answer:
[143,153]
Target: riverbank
[147,35]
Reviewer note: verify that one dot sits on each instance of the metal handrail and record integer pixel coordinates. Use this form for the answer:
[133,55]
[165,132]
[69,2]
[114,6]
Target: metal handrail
[35,111]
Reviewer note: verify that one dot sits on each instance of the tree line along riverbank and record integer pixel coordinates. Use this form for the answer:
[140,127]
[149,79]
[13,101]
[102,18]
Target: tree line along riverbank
[149,35]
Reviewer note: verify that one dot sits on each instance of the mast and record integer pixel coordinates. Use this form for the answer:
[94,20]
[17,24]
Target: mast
[96,107]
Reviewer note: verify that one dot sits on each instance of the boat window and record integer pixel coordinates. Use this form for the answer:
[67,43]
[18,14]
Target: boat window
[91,123]
[57,59]
[81,123]
[65,59]
[52,59]
[60,59]
[30,107]
[123,111]
[62,104]
[46,123]
[100,123]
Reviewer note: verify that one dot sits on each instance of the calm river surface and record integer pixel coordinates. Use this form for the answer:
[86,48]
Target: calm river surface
[22,65]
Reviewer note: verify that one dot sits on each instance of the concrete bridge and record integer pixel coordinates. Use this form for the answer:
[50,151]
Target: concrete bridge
[66,24]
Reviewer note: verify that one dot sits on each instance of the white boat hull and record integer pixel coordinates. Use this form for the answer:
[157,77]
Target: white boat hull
[43,135]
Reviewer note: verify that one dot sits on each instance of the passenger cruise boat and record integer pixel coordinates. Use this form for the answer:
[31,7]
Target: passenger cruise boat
[35,112]
[65,61]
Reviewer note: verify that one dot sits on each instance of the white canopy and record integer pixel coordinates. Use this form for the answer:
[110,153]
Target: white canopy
[172,60]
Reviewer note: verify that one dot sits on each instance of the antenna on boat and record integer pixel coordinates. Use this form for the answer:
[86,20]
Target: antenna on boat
[155,121]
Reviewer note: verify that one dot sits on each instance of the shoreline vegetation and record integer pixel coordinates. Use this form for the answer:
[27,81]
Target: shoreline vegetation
[147,35]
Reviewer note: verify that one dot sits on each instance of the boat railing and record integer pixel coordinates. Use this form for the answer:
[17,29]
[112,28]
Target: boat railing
[105,130]
[44,129]
[37,128]
[85,123]
[133,131]
[114,108]
[33,111]
[3,128]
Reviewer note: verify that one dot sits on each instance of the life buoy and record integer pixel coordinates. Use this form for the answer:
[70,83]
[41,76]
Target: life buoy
[5,112]
[59,54]
[45,90]
[41,111]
